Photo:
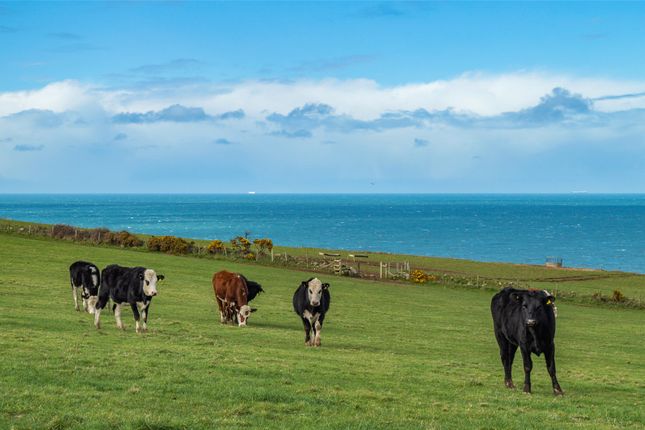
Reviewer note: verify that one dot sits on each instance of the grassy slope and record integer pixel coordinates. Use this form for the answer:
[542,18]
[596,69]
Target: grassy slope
[581,281]
[393,356]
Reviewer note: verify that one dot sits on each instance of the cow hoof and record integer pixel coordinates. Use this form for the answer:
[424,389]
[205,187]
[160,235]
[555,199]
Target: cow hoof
[307,343]
[509,384]
[558,391]
[317,342]
[527,389]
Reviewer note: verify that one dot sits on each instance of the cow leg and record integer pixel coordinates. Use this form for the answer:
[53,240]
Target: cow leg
[137,316]
[549,357]
[528,366]
[222,310]
[317,328]
[97,318]
[103,298]
[507,354]
[92,304]
[508,367]
[231,314]
[117,316]
[75,295]
[307,325]
[84,296]
[144,316]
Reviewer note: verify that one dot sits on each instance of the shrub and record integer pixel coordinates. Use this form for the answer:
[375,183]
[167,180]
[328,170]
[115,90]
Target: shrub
[124,239]
[63,231]
[127,239]
[241,245]
[169,245]
[419,276]
[215,247]
[618,296]
[250,256]
[264,246]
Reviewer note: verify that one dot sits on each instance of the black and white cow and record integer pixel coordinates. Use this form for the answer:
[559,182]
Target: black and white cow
[525,319]
[134,286]
[85,277]
[311,302]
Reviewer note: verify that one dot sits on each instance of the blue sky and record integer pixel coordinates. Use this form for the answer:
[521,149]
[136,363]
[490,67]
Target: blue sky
[322,97]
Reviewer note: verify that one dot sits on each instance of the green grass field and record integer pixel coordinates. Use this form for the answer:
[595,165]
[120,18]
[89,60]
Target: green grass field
[393,355]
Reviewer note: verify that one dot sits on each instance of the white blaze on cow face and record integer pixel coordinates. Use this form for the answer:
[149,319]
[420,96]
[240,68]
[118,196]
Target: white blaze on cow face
[243,315]
[314,292]
[149,282]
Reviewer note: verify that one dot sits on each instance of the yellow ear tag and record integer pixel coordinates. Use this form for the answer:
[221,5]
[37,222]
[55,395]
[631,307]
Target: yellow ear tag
[548,302]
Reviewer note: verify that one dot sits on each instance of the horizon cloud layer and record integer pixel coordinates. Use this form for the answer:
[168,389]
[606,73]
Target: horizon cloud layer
[524,131]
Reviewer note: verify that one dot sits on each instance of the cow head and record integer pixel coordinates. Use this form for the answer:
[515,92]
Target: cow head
[243,314]
[534,306]
[150,279]
[315,290]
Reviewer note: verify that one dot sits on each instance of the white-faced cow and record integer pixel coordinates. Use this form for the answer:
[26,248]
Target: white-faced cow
[311,302]
[525,319]
[134,286]
[85,277]
[232,296]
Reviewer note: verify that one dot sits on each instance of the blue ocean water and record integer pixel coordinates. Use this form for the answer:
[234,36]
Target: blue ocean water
[596,231]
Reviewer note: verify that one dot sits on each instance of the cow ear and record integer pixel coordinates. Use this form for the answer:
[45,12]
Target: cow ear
[325,286]
[549,299]
[304,284]
[141,276]
[160,277]
[254,309]
[516,297]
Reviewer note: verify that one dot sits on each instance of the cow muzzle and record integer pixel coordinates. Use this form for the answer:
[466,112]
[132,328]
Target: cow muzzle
[531,322]
[315,303]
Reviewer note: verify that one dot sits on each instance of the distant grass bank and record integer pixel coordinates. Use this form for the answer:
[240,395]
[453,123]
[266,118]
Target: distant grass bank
[394,355]
[596,287]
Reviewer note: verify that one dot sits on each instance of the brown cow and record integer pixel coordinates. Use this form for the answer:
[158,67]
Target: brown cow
[231,294]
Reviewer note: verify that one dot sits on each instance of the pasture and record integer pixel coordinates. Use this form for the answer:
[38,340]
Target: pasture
[392,356]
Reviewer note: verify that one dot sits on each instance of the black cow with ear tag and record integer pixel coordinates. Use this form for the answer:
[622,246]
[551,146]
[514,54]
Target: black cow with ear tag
[525,319]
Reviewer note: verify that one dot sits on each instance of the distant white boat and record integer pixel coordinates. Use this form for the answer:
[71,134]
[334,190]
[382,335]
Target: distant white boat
[251,192]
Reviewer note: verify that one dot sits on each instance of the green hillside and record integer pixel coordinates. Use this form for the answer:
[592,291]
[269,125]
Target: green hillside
[392,356]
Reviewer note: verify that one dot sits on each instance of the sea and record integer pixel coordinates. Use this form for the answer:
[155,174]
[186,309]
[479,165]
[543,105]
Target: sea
[585,230]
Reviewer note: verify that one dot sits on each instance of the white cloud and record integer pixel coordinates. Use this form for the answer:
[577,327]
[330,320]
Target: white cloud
[57,97]
[374,128]
[478,93]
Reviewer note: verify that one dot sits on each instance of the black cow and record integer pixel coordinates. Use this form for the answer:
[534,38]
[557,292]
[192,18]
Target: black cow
[86,277]
[253,287]
[311,302]
[135,286]
[525,318]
